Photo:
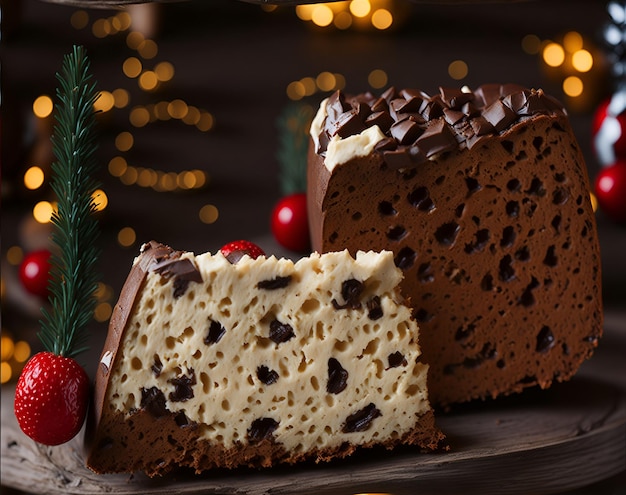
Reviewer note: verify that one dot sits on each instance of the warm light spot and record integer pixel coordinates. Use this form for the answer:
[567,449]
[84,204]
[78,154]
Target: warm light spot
[5,372]
[101,28]
[193,115]
[102,312]
[100,199]
[130,176]
[573,86]
[117,166]
[42,211]
[177,109]
[126,237]
[79,19]
[148,49]
[295,90]
[164,71]
[342,20]
[573,41]
[309,85]
[205,123]
[139,116]
[148,81]
[147,177]
[606,184]
[15,255]
[457,69]
[553,54]
[340,81]
[167,182]
[6,348]
[382,19]
[105,102]
[42,106]
[377,78]
[22,351]
[121,98]
[132,67]
[322,15]
[360,8]
[269,8]
[124,141]
[160,111]
[582,60]
[531,44]
[326,81]
[305,12]
[201,178]
[33,178]
[134,39]
[209,214]
[124,19]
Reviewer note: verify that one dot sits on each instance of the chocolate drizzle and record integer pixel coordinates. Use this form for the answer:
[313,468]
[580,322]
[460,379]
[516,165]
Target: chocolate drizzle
[418,126]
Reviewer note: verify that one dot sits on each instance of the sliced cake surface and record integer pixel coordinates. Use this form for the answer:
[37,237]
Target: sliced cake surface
[212,364]
[483,197]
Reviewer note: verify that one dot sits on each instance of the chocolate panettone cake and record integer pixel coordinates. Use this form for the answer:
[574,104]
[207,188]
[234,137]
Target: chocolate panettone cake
[483,197]
[213,364]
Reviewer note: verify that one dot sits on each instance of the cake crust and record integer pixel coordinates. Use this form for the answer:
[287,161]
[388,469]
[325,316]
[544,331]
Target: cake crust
[494,232]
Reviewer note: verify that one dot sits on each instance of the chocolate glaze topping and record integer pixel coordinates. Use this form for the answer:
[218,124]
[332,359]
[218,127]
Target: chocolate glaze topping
[419,126]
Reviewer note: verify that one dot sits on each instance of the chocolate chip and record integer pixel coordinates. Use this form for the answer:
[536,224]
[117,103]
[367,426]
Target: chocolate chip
[362,419]
[545,339]
[157,366]
[337,377]
[499,115]
[216,332]
[153,401]
[261,429]
[182,271]
[396,359]
[183,387]
[276,283]
[351,291]
[437,137]
[266,375]
[374,308]
[280,332]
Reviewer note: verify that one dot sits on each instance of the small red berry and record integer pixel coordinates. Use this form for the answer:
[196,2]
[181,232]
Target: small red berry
[610,189]
[35,272]
[51,398]
[290,223]
[233,251]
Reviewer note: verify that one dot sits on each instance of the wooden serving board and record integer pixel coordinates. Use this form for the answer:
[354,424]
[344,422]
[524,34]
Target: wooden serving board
[541,441]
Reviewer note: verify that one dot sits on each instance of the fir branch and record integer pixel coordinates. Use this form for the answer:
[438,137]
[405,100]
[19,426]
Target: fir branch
[73,276]
[293,127]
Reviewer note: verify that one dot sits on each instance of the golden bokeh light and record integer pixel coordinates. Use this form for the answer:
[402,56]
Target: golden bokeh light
[209,214]
[34,178]
[553,54]
[573,86]
[15,255]
[121,98]
[5,372]
[342,20]
[382,19]
[360,8]
[79,19]
[322,15]
[126,237]
[326,81]
[139,116]
[132,67]
[100,199]
[117,166]
[124,141]
[7,346]
[458,69]
[43,106]
[205,123]
[377,78]
[134,39]
[148,49]
[102,312]
[531,44]
[42,211]
[21,351]
[582,60]
[105,102]
[148,81]
[572,41]
[101,28]
[177,109]
[305,12]
[164,71]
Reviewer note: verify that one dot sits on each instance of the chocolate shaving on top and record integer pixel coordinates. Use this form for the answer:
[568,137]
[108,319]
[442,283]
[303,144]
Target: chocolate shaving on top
[418,126]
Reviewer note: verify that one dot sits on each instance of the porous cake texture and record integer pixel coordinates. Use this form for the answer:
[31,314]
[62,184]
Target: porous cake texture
[212,364]
[483,197]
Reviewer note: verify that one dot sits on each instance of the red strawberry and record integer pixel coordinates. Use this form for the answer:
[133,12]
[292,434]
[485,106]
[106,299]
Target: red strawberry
[234,251]
[51,398]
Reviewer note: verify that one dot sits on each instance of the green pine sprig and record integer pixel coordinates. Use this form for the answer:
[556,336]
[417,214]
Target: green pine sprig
[293,131]
[73,276]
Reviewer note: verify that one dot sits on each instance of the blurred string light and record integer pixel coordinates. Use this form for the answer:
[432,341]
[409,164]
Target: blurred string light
[13,356]
[573,63]
[363,15]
